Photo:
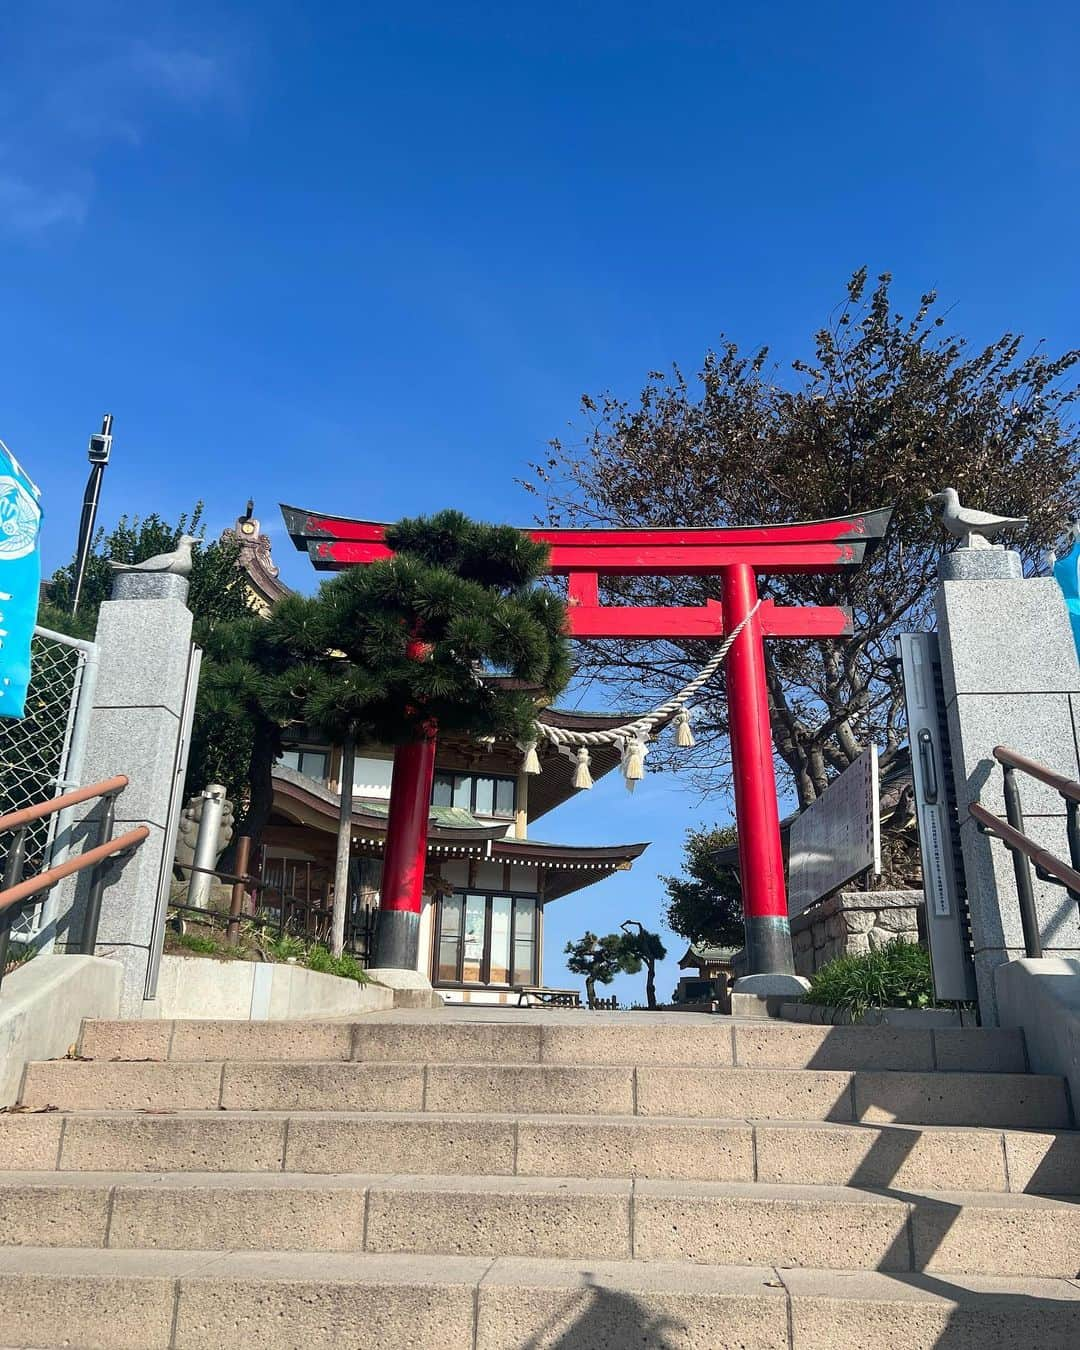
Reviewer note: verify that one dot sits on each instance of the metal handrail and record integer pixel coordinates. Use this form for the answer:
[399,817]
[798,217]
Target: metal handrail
[108,787]
[1025,852]
[44,880]
[1065,786]
[14,890]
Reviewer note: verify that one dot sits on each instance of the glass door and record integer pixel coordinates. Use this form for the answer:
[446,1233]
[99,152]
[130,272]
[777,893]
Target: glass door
[472,961]
[484,939]
[499,947]
[451,909]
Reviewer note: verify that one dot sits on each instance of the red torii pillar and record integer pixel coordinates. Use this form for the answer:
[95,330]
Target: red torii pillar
[736,556]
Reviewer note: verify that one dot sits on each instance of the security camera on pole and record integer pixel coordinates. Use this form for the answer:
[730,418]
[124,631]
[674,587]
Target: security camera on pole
[98,454]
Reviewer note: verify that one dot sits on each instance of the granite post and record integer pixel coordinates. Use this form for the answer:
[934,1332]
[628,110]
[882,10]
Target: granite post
[1010,677]
[144,644]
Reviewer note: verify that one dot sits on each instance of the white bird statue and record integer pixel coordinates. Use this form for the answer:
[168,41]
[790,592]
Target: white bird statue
[973,528]
[178,562]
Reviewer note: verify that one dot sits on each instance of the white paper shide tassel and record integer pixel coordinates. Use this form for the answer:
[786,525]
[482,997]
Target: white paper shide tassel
[684,737]
[530,762]
[632,762]
[582,777]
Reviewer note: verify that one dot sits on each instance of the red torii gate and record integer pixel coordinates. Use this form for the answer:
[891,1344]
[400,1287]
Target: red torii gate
[736,555]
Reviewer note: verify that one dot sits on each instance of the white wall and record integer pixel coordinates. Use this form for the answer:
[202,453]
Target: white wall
[199,987]
[1043,997]
[42,1006]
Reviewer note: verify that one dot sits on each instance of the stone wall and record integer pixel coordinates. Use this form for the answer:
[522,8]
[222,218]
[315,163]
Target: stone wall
[851,923]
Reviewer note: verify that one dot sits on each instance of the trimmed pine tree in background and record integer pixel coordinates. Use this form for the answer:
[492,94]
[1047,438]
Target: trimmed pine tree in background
[648,949]
[600,959]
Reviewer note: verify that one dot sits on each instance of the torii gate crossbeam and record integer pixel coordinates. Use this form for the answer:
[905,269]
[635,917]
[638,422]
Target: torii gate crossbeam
[736,555]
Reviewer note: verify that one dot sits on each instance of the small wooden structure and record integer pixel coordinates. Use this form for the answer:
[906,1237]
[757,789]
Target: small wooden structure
[714,973]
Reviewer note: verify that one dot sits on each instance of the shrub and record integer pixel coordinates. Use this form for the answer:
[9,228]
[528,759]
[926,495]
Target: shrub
[895,976]
[346,965]
[287,947]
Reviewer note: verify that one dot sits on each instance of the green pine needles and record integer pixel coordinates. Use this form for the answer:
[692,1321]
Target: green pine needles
[452,632]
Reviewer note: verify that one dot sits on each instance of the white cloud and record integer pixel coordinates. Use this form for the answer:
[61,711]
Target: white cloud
[83,87]
[181,73]
[29,209]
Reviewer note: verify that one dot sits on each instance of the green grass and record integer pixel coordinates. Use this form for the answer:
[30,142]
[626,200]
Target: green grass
[205,946]
[346,965]
[18,953]
[894,976]
[284,948]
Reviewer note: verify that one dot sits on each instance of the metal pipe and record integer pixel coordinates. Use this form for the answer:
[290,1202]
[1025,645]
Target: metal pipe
[1000,829]
[13,870]
[63,838]
[14,820]
[1068,789]
[100,448]
[1025,890]
[236,903]
[46,879]
[207,845]
[1072,829]
[97,881]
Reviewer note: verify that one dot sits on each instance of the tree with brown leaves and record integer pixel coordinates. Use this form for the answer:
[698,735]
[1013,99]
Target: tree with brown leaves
[886,410]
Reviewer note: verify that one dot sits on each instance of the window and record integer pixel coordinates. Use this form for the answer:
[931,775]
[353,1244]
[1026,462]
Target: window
[482,794]
[485,939]
[450,912]
[524,941]
[499,944]
[311,763]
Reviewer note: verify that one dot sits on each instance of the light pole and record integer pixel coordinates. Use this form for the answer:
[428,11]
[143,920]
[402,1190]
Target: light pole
[98,454]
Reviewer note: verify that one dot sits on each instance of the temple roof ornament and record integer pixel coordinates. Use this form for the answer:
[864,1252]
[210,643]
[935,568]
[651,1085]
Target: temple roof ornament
[264,588]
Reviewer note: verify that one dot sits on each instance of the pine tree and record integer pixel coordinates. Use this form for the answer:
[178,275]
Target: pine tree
[250,690]
[600,959]
[706,905]
[648,948]
[398,649]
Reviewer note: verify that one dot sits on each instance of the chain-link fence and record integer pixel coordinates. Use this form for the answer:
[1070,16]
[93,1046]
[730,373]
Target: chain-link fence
[41,753]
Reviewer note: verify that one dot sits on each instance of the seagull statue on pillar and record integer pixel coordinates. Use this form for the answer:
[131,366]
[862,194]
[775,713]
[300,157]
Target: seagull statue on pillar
[974,529]
[178,562]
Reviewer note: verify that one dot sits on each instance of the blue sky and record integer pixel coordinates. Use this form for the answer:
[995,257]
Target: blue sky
[367,257]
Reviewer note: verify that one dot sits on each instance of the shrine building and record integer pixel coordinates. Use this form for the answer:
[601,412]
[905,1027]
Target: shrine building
[487,878]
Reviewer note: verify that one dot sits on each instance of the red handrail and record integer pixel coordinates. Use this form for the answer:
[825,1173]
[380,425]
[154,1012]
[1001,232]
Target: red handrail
[44,880]
[17,819]
[1069,878]
[1066,787]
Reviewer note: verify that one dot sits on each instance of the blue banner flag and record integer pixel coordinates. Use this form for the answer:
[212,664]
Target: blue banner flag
[20,580]
[1067,572]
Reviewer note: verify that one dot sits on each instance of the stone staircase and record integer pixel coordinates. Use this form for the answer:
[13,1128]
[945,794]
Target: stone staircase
[502,1180]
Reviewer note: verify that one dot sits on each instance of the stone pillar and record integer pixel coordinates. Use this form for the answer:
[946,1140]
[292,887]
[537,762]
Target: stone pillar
[1010,677]
[144,642]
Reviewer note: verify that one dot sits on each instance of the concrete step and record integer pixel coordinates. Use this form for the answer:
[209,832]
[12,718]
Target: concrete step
[1023,1101]
[117,1300]
[719,1042]
[711,1223]
[787,1152]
